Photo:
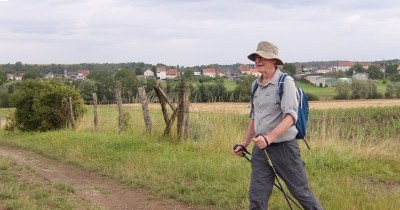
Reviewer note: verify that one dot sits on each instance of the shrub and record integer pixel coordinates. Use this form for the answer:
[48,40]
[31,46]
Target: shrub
[312,97]
[39,105]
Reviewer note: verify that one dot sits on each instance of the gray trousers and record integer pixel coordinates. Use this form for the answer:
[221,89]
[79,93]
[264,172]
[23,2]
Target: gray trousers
[289,166]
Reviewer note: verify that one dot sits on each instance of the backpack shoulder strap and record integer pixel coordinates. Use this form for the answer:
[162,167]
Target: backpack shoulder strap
[252,96]
[281,83]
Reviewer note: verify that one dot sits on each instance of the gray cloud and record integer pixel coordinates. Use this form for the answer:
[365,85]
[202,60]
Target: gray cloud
[195,32]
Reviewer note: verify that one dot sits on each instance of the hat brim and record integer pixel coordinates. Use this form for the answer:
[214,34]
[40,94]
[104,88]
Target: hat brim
[265,55]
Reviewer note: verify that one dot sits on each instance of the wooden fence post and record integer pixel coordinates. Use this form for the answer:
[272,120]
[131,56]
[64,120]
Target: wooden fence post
[163,100]
[121,117]
[183,110]
[95,119]
[71,111]
[145,109]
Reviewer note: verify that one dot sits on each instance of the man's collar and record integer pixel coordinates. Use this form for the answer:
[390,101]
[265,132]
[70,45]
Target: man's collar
[274,79]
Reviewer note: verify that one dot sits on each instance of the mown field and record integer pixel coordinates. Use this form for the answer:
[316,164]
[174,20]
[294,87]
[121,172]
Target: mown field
[353,163]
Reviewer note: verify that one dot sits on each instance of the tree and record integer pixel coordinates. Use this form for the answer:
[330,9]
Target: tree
[18,67]
[105,84]
[343,90]
[33,74]
[5,92]
[128,81]
[289,68]
[356,68]
[374,72]
[391,69]
[3,76]
[86,88]
[38,105]
[242,91]
[393,90]
[150,83]
[189,74]
[364,89]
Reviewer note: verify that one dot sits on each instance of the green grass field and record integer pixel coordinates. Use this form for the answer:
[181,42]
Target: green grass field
[354,161]
[326,93]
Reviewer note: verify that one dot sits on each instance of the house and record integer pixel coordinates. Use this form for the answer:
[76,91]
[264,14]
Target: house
[234,74]
[83,73]
[49,76]
[322,71]
[342,66]
[360,76]
[220,72]
[20,76]
[211,72]
[197,72]
[148,74]
[313,79]
[10,77]
[365,65]
[245,69]
[254,72]
[322,81]
[161,72]
[172,73]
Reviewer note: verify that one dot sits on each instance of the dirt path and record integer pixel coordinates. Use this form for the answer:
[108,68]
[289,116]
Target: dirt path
[101,190]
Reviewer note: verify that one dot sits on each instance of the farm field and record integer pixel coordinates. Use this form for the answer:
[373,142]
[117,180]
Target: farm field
[244,108]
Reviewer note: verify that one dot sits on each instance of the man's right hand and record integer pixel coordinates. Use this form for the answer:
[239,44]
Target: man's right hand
[238,150]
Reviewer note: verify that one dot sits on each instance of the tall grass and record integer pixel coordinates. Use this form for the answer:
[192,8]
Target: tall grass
[354,161]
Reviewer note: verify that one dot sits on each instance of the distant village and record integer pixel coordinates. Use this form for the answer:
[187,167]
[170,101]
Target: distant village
[314,74]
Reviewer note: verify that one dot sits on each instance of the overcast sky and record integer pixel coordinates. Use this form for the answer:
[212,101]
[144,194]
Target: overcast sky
[196,32]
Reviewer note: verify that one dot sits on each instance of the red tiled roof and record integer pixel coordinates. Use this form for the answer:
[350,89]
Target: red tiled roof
[209,71]
[345,63]
[172,72]
[161,68]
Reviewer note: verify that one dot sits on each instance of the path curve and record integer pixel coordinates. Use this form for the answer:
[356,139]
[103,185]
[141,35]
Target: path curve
[99,189]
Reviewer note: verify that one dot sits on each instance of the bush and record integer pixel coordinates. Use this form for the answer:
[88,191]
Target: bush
[312,97]
[39,105]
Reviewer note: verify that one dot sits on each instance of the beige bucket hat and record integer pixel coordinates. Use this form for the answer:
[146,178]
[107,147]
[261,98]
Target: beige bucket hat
[266,50]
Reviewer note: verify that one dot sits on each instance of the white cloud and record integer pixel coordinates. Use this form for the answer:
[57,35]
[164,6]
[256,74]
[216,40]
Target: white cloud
[196,32]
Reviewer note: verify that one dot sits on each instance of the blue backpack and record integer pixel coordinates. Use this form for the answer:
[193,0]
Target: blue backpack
[302,118]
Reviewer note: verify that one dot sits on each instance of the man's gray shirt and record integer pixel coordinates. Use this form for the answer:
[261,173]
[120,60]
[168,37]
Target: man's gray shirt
[269,110]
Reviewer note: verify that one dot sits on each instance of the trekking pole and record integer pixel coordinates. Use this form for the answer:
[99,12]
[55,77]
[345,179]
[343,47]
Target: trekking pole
[277,179]
[245,151]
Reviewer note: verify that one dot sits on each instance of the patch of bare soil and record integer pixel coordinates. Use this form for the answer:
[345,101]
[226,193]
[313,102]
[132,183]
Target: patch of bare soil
[101,190]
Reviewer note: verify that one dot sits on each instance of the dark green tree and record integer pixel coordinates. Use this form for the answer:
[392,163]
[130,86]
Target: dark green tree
[188,74]
[364,89]
[33,74]
[289,68]
[39,105]
[343,90]
[391,69]
[105,85]
[18,67]
[374,72]
[242,92]
[356,68]
[86,88]
[3,76]
[393,90]
[129,83]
